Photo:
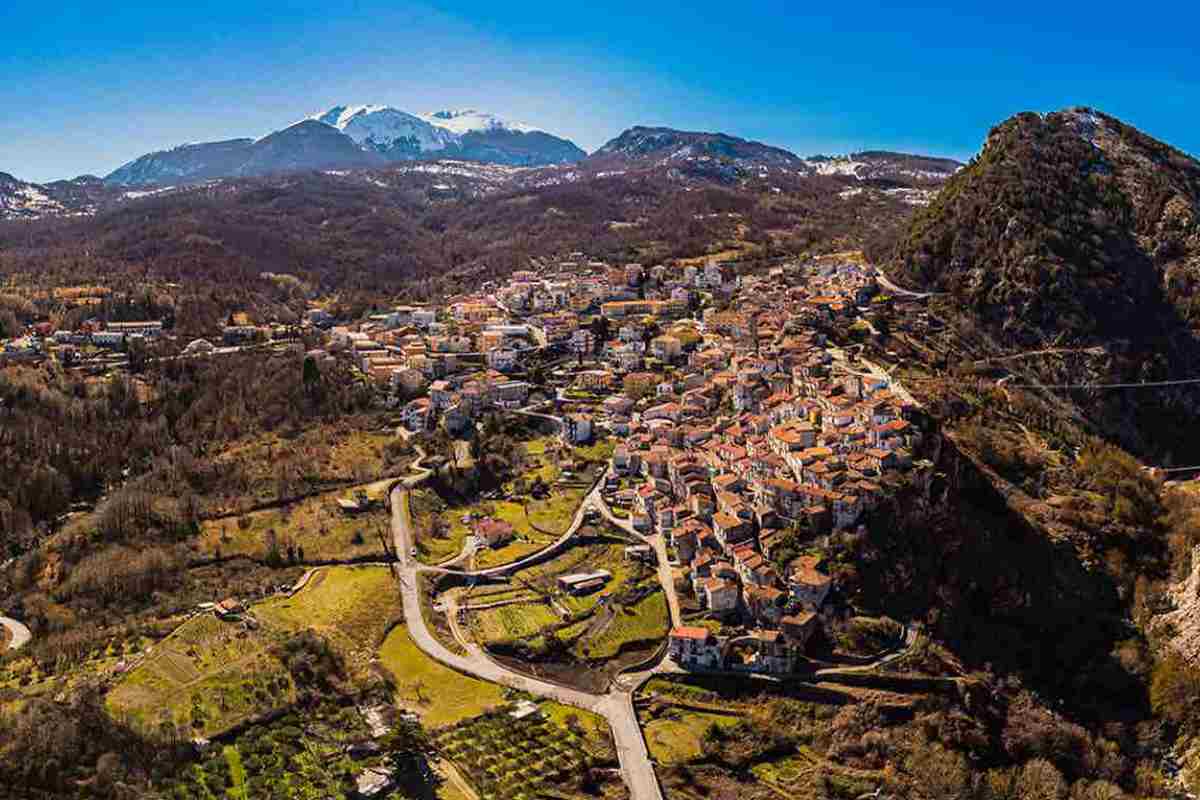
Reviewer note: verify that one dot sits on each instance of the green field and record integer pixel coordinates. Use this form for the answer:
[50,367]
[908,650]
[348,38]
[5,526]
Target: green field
[494,594]
[439,694]
[676,736]
[352,607]
[517,621]
[555,514]
[644,622]
[599,451]
[597,734]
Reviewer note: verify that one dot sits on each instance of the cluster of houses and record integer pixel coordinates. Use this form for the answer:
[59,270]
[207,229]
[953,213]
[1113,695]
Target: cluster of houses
[750,435]
[444,364]
[43,340]
[740,428]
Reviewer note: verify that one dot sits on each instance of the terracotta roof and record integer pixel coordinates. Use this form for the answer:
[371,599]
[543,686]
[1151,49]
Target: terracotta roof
[691,632]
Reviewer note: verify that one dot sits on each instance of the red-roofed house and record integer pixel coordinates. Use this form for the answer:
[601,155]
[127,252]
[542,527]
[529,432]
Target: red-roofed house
[694,648]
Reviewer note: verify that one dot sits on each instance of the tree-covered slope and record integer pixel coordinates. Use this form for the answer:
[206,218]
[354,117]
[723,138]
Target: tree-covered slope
[1068,224]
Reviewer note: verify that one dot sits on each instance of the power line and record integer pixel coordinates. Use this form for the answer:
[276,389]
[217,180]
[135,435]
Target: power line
[1142,385]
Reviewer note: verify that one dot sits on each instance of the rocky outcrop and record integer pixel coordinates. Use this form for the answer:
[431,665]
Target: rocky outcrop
[1183,624]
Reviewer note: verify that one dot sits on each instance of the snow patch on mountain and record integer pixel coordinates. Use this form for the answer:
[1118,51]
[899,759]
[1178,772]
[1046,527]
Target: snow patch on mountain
[388,130]
[466,120]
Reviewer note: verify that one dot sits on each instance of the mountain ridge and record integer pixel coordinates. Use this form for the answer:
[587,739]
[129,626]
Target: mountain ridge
[382,137]
[373,135]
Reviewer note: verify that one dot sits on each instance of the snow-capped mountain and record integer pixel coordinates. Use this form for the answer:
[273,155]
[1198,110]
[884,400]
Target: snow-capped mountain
[467,134]
[354,136]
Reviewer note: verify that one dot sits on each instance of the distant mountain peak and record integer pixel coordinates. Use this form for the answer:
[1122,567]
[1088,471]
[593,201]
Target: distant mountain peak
[669,144]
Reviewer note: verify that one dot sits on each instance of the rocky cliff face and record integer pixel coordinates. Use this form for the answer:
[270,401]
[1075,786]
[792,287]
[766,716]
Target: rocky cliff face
[1182,624]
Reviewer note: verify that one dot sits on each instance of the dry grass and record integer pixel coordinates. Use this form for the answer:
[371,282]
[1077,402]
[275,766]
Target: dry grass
[317,525]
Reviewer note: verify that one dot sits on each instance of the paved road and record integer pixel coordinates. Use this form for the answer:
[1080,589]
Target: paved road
[616,706]
[910,637]
[20,634]
[589,501]
[658,542]
[886,283]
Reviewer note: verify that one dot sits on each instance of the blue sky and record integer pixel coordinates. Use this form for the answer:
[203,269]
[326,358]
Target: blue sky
[85,87]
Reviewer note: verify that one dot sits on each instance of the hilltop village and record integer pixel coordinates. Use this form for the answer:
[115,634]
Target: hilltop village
[736,430]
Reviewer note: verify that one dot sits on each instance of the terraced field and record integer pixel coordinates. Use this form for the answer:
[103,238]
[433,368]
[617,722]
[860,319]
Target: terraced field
[210,674]
[206,676]
[517,621]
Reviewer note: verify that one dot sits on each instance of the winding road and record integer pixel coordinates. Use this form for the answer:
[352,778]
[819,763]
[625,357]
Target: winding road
[886,283]
[20,634]
[616,706]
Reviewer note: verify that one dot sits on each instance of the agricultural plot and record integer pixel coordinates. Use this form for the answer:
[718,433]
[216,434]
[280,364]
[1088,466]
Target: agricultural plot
[643,623]
[296,756]
[599,451]
[676,735]
[497,594]
[205,677]
[352,607]
[507,758]
[628,613]
[519,548]
[554,514]
[315,529]
[511,622]
[439,694]
[210,674]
